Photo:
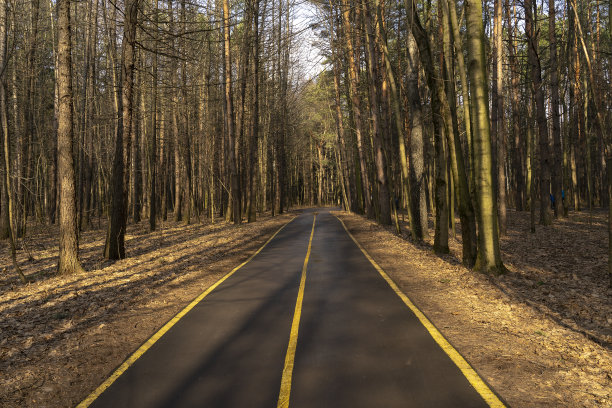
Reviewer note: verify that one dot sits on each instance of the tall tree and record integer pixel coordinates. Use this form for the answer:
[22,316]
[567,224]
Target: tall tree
[229,117]
[10,210]
[68,242]
[557,173]
[489,254]
[498,119]
[115,239]
[355,102]
[418,183]
[538,93]
[380,158]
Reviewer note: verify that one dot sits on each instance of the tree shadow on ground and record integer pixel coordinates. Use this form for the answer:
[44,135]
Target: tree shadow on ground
[561,270]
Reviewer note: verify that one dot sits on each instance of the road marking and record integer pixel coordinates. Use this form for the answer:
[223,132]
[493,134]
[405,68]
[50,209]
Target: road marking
[153,339]
[285,389]
[472,376]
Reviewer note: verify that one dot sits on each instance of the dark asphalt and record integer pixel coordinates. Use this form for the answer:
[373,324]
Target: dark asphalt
[358,344]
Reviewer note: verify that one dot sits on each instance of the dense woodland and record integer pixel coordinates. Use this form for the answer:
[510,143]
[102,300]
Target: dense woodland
[136,110]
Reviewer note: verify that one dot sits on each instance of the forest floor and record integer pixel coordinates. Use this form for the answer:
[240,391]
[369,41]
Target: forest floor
[541,334]
[61,336]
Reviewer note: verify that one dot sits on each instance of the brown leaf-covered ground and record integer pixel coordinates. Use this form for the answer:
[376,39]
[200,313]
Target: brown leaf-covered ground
[60,336]
[540,334]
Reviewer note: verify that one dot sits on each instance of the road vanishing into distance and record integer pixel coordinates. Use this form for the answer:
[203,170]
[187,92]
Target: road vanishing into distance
[309,321]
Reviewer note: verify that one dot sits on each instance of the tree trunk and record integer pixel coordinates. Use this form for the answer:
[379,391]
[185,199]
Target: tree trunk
[538,92]
[418,182]
[68,242]
[460,182]
[6,137]
[115,240]
[353,67]
[379,154]
[489,255]
[441,131]
[153,139]
[252,202]
[557,173]
[498,120]
[517,139]
[229,117]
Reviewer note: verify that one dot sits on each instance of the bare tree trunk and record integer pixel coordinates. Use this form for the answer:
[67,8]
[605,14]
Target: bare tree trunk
[379,154]
[467,116]
[341,145]
[68,242]
[6,137]
[353,67]
[252,202]
[115,240]
[489,255]
[136,151]
[538,92]
[498,122]
[557,173]
[153,140]
[460,182]
[229,117]
[517,140]
[440,129]
[418,182]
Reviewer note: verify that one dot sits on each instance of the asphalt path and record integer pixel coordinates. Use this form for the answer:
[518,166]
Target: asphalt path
[307,322]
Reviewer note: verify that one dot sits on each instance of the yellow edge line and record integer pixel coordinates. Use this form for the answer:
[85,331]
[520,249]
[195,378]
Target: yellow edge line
[285,389]
[153,339]
[479,385]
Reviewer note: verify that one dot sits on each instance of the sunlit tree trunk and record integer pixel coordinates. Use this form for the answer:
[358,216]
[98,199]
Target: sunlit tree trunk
[498,119]
[353,68]
[489,254]
[68,242]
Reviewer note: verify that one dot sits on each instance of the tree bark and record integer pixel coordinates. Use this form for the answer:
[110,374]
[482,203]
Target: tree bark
[538,92]
[518,140]
[498,120]
[229,117]
[557,173]
[6,136]
[115,240]
[441,131]
[68,242]
[418,182]
[353,68]
[380,159]
[489,255]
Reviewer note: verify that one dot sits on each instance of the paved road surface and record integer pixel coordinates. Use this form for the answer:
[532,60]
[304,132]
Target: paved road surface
[355,341]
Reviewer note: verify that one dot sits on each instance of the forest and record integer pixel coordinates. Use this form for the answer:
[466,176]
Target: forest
[148,147]
[117,112]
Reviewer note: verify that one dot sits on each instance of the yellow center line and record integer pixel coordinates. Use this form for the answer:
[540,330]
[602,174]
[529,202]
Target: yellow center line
[472,376]
[285,389]
[153,339]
